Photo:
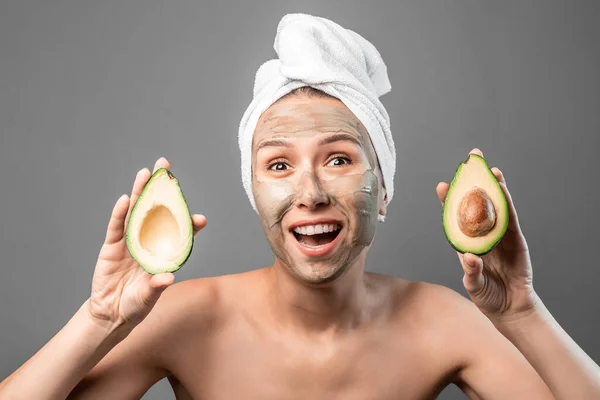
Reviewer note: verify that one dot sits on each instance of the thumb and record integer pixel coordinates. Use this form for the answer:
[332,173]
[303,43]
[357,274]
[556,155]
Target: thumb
[473,269]
[151,292]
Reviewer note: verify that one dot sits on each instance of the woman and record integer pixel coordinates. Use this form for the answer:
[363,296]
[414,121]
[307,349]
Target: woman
[314,324]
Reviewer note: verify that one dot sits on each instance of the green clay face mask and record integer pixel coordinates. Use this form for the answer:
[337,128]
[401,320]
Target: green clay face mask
[309,118]
[351,196]
[298,120]
[352,199]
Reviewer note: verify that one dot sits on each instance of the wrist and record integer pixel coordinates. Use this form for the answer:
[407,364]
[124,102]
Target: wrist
[524,321]
[104,325]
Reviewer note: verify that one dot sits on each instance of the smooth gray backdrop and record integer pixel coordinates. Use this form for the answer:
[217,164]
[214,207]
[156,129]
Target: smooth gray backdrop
[93,91]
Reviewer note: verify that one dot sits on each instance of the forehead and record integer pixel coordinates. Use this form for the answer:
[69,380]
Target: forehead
[298,117]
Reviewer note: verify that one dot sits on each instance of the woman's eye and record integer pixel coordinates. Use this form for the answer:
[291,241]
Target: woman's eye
[278,166]
[337,161]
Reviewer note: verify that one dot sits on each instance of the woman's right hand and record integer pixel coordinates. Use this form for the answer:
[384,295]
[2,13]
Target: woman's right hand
[122,292]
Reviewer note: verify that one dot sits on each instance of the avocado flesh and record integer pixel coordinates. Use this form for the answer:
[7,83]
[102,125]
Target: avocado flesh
[474,176]
[160,233]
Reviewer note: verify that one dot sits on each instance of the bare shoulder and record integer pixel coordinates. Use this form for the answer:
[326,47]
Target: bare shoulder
[195,303]
[200,304]
[188,315]
[451,330]
[452,313]
[432,299]
[417,296]
[436,315]
[191,301]
[183,308]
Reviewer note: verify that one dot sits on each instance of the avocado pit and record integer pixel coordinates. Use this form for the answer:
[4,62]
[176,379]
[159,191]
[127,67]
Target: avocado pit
[476,214]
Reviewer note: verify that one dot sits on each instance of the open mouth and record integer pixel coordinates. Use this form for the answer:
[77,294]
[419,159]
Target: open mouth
[316,235]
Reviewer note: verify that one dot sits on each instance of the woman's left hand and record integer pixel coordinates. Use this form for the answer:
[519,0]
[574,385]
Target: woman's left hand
[500,283]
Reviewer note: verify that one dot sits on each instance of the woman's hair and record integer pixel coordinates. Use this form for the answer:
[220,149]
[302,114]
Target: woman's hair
[306,92]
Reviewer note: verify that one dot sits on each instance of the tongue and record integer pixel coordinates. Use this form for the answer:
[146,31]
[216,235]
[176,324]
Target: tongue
[318,239]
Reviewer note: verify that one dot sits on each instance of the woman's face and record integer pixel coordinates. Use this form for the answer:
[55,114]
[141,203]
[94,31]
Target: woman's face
[316,186]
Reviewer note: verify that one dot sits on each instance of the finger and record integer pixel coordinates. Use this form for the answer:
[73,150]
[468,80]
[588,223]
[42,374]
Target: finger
[116,225]
[473,279]
[498,174]
[138,185]
[442,190]
[460,257]
[161,281]
[513,218]
[161,163]
[513,223]
[199,222]
[476,151]
[151,288]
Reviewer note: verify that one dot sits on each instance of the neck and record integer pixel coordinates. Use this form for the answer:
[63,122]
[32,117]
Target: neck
[338,306]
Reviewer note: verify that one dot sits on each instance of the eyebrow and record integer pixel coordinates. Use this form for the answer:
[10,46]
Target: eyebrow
[339,137]
[329,139]
[273,143]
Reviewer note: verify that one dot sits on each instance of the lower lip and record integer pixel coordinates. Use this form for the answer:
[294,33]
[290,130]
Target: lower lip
[320,251]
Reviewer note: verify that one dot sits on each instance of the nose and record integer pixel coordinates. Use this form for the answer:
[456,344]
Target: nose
[312,195]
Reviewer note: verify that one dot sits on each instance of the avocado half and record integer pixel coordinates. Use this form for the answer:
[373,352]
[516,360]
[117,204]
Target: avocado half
[475,211]
[160,233]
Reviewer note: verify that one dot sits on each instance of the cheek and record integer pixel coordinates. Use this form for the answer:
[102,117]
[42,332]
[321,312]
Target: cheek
[358,191]
[359,195]
[366,201]
[273,200]
[366,197]
[353,194]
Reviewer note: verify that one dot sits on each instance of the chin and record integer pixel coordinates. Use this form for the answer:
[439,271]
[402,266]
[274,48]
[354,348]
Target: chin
[318,274]
[334,260]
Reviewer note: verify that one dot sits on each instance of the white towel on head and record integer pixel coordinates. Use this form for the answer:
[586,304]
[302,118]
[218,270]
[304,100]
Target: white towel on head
[317,52]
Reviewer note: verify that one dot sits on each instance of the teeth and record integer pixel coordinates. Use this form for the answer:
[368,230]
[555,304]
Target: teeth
[316,229]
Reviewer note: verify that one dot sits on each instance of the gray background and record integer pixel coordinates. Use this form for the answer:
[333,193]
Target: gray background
[92,91]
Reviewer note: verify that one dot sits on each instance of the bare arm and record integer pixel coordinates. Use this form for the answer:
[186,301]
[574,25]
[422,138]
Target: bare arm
[64,360]
[122,296]
[184,313]
[493,367]
[500,283]
[137,362]
[564,366]
[88,360]
[489,366]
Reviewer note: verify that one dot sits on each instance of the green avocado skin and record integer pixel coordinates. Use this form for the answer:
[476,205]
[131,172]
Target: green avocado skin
[493,243]
[129,235]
